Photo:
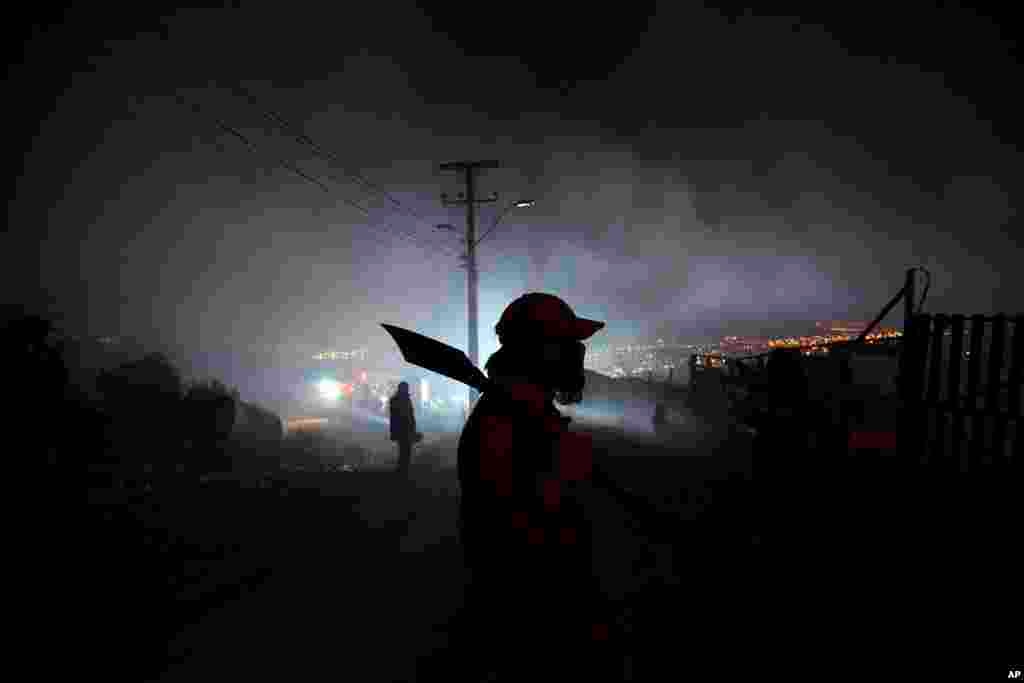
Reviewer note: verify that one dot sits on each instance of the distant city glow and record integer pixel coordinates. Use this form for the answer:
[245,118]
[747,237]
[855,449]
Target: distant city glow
[813,342]
[341,355]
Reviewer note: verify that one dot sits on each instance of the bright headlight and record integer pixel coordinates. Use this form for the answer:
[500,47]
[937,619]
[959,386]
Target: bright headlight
[330,390]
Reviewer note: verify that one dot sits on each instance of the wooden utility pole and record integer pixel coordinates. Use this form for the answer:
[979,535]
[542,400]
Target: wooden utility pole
[468,169]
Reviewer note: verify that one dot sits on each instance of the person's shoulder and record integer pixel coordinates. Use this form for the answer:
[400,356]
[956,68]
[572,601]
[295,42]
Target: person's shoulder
[493,414]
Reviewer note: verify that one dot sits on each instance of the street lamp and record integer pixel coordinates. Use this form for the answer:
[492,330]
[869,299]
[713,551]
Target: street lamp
[469,259]
[518,204]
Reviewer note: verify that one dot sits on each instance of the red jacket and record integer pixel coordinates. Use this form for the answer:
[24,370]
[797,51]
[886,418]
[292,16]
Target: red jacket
[518,464]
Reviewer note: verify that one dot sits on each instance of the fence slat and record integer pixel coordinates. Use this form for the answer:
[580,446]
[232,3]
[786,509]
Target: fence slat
[996,359]
[956,352]
[1016,382]
[977,446]
[935,386]
[912,364]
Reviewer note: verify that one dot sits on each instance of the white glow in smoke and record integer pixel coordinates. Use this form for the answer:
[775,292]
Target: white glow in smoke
[330,390]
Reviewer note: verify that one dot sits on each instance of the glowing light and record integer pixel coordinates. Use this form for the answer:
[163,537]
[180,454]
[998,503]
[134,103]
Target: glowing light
[330,390]
[295,424]
[424,391]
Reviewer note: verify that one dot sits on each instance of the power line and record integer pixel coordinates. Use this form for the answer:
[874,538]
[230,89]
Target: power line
[405,233]
[230,130]
[292,167]
[297,133]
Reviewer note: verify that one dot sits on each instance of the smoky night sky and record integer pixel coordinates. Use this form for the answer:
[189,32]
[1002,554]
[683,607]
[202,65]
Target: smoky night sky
[694,171]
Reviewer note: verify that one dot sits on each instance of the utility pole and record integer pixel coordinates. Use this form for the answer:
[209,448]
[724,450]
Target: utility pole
[468,169]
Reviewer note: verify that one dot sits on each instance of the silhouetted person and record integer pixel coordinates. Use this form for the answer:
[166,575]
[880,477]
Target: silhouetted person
[782,389]
[659,420]
[403,426]
[526,539]
[365,398]
[780,447]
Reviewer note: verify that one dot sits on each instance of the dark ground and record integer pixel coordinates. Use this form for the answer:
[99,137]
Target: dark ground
[306,576]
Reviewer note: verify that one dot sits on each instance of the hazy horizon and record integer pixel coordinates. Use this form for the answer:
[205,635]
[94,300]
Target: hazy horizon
[777,171]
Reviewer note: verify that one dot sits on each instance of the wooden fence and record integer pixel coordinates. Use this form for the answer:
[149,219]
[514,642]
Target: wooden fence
[961,379]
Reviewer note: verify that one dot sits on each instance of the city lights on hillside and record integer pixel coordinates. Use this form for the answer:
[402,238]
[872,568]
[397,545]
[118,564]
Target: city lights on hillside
[816,341]
[341,355]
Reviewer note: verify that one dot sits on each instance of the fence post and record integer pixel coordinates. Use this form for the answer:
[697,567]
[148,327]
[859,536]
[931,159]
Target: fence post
[912,364]
[936,412]
[1016,379]
[976,449]
[908,300]
[908,321]
[845,399]
[993,397]
[954,382]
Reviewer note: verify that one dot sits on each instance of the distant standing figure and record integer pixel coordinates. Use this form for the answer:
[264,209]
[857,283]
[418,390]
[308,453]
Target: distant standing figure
[781,462]
[403,425]
[659,419]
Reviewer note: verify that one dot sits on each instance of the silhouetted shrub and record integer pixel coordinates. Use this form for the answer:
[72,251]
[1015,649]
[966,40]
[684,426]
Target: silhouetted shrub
[34,354]
[208,413]
[141,401]
[142,393]
[256,423]
[36,384]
